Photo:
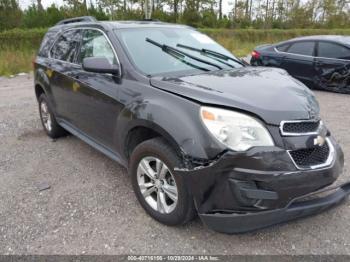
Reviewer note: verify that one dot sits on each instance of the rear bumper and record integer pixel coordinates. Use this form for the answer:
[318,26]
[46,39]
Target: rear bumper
[245,222]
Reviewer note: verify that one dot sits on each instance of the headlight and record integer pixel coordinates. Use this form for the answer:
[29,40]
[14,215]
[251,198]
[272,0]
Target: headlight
[235,130]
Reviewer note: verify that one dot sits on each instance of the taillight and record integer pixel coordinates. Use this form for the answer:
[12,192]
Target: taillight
[255,54]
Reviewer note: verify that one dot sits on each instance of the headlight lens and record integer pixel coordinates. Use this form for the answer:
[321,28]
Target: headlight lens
[235,130]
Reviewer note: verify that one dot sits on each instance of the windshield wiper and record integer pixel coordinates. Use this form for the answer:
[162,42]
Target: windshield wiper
[176,52]
[213,53]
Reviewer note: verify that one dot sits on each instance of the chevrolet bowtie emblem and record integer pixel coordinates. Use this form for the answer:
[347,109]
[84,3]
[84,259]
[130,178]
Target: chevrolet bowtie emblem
[319,140]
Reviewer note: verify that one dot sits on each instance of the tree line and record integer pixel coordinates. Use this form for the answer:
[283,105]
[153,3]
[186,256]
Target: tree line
[258,14]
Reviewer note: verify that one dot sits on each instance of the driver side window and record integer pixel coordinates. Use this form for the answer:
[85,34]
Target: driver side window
[95,44]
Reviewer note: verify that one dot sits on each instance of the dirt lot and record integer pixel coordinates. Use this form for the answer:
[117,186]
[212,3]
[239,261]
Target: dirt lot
[91,209]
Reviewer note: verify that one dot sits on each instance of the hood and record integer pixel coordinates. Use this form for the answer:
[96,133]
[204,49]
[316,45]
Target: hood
[269,93]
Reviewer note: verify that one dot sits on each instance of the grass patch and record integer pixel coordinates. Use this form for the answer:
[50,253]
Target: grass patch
[18,46]
[15,61]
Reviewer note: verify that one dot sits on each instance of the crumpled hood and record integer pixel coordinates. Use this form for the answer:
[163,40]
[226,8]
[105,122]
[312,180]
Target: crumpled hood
[270,93]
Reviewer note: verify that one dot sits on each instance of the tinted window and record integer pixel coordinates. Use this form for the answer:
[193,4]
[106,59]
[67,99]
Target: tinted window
[331,50]
[282,48]
[95,44]
[302,48]
[66,46]
[47,43]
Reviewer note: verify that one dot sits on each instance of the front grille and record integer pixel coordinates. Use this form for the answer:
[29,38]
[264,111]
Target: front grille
[305,158]
[300,127]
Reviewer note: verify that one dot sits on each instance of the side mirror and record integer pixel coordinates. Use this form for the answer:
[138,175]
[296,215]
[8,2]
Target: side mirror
[99,65]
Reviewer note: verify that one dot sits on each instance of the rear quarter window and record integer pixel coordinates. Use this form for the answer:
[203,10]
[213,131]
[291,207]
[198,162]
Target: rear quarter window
[283,47]
[46,43]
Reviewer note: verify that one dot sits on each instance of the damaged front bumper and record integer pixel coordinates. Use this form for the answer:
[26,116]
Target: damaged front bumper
[245,191]
[245,222]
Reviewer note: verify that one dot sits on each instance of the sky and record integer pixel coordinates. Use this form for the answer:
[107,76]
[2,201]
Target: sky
[46,3]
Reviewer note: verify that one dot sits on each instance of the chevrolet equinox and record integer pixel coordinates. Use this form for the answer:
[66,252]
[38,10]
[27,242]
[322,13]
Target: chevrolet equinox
[199,131]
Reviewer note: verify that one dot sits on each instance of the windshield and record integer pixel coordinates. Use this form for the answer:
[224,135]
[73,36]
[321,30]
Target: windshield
[153,59]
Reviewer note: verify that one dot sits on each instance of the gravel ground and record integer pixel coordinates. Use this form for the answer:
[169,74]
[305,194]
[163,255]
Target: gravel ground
[90,207]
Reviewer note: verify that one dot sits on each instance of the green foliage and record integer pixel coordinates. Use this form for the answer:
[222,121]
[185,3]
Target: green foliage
[19,39]
[15,61]
[10,14]
[35,18]
[258,14]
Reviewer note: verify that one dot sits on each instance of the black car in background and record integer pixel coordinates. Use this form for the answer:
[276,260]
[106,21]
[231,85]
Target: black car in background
[320,62]
[198,130]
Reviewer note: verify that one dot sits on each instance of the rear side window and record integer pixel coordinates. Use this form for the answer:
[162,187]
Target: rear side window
[282,48]
[66,46]
[302,48]
[95,44]
[47,42]
[331,50]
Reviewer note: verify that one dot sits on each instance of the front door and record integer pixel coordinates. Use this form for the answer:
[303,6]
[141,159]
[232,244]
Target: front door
[333,66]
[98,102]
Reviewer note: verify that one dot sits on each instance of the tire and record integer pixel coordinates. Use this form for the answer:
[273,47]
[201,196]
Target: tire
[171,215]
[48,120]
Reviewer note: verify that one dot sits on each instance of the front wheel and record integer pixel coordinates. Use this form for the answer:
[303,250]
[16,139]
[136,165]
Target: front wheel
[163,195]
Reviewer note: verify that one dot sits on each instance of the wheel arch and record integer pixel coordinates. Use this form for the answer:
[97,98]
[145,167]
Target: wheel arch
[172,117]
[144,130]
[39,90]
[41,82]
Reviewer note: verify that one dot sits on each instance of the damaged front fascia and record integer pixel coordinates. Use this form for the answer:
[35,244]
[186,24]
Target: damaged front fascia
[258,153]
[213,183]
[209,181]
[194,163]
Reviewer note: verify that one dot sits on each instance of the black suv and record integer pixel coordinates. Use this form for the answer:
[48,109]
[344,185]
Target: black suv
[197,129]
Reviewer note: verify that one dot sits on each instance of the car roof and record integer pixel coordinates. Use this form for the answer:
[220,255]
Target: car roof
[334,38]
[108,25]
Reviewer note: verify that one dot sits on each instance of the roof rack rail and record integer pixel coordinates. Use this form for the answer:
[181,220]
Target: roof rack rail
[77,20]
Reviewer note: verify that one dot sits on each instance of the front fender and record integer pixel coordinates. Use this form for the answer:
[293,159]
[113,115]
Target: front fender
[174,117]
[42,77]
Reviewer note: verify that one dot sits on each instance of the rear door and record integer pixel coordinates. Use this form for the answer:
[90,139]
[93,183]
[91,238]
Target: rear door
[299,61]
[60,69]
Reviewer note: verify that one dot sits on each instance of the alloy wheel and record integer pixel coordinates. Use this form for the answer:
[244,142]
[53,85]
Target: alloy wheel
[46,116]
[157,185]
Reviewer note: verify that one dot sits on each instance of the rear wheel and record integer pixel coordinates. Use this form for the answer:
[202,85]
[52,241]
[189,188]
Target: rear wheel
[164,196]
[48,120]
